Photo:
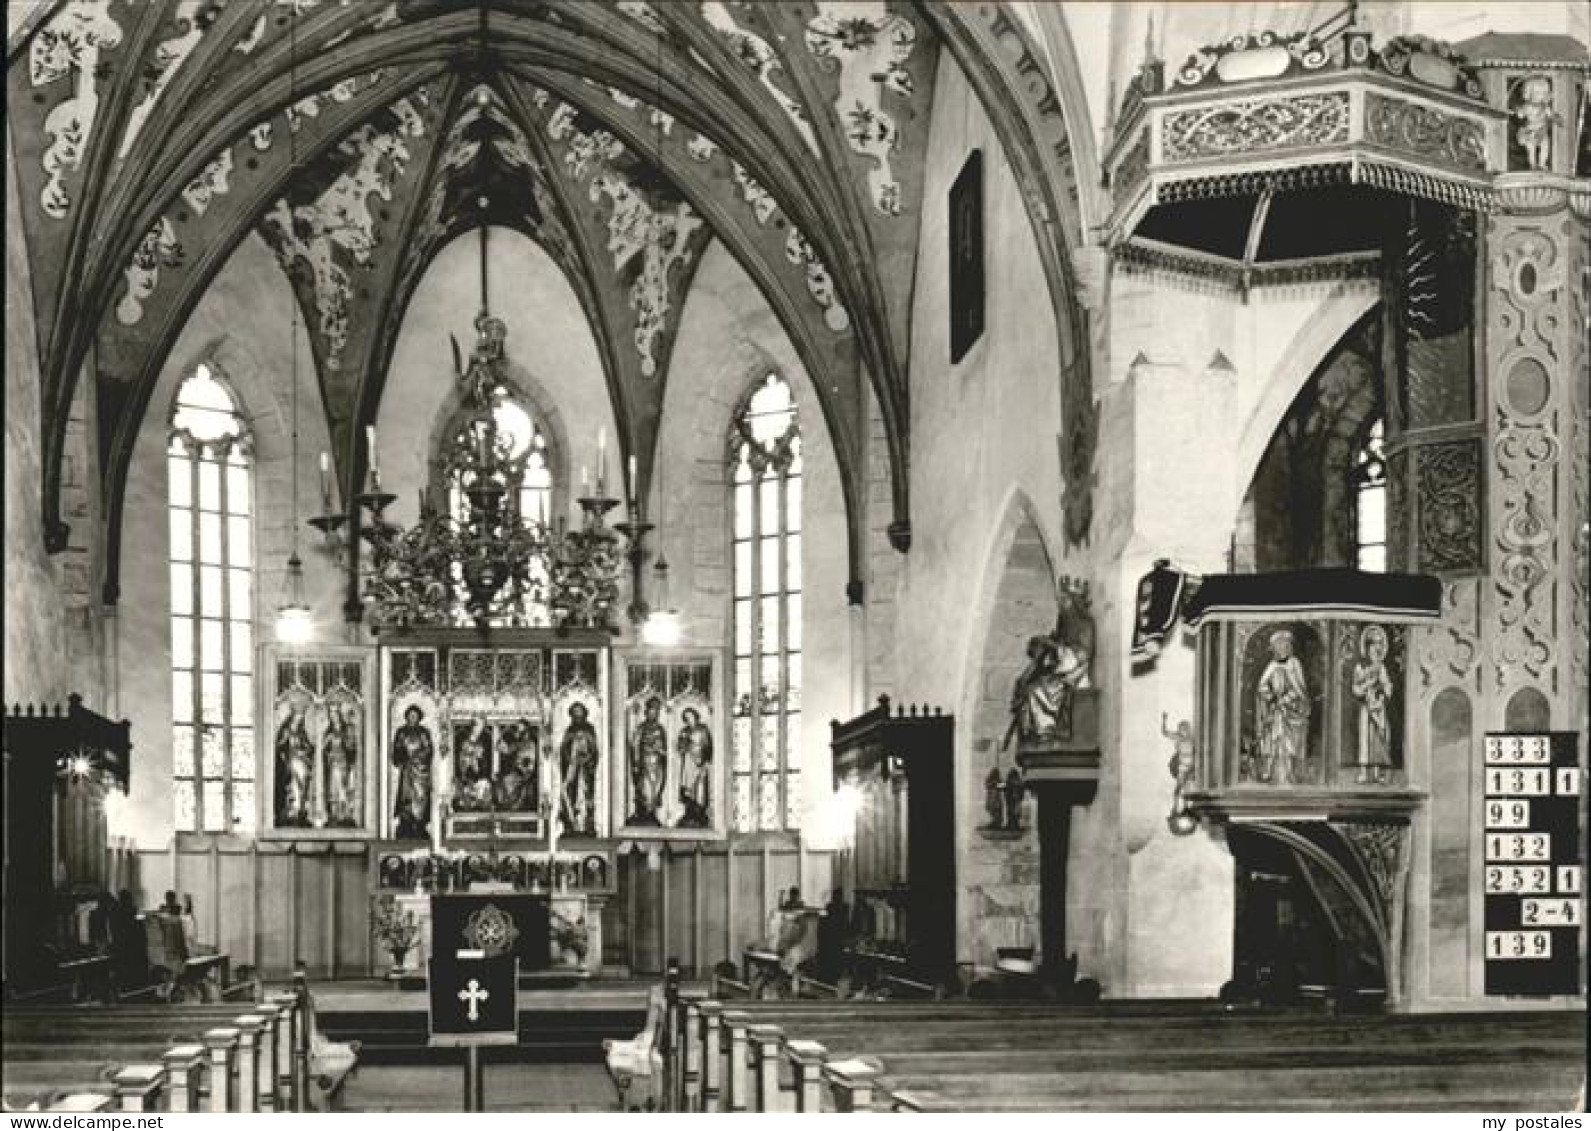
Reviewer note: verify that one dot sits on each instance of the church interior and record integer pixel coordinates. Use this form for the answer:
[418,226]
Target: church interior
[810,555]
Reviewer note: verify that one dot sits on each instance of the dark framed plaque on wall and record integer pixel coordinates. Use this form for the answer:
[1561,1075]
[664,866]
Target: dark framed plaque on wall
[966,257]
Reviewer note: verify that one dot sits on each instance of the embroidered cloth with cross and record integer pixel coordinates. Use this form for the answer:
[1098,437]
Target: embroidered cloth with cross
[473,998]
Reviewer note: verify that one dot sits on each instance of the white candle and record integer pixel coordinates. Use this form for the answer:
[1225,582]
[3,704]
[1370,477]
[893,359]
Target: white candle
[370,445]
[602,455]
[635,485]
[325,480]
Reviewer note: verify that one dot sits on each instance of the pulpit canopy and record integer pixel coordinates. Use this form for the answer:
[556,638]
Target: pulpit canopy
[1318,594]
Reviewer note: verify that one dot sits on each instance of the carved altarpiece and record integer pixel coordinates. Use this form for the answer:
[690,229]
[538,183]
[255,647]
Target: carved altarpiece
[496,716]
[317,761]
[689,784]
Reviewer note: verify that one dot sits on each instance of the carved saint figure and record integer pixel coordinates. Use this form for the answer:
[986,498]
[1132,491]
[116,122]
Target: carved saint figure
[994,798]
[517,786]
[339,749]
[1058,665]
[412,754]
[694,746]
[472,776]
[577,767]
[1015,791]
[1372,687]
[1282,713]
[648,764]
[1536,116]
[295,767]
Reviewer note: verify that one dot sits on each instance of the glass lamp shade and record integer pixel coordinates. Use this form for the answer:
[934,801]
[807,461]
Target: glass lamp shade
[294,623]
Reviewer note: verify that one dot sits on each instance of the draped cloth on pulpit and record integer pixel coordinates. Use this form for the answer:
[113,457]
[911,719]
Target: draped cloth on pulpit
[499,923]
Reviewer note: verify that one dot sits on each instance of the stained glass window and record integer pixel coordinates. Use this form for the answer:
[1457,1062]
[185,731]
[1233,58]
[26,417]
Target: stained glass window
[1370,501]
[210,468]
[765,500]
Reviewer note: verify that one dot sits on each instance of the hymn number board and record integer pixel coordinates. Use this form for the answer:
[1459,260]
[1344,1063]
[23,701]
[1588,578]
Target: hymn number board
[1534,903]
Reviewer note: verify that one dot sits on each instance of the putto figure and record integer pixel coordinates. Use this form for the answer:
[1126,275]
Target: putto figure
[1534,111]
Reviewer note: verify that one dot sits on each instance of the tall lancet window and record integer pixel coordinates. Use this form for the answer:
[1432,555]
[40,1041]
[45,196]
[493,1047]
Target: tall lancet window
[765,472]
[210,462]
[1370,501]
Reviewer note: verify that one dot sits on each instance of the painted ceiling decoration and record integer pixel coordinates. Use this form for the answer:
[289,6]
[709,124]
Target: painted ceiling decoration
[357,139]
[333,234]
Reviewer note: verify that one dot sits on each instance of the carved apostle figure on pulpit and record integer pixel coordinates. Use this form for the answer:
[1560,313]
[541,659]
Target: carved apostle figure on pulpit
[1058,666]
[1282,713]
[412,754]
[694,745]
[648,765]
[577,768]
[1372,688]
[295,767]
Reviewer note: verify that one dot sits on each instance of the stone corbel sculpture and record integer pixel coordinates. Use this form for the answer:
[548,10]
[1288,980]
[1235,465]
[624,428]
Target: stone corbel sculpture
[1059,665]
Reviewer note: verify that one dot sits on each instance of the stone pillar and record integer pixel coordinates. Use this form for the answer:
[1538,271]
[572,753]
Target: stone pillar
[766,1039]
[738,1083]
[852,1083]
[689,1052]
[1534,601]
[138,1086]
[1487,490]
[286,1032]
[183,1064]
[1062,774]
[712,1056]
[807,1059]
[1173,424]
[270,1040]
[249,1028]
[222,1044]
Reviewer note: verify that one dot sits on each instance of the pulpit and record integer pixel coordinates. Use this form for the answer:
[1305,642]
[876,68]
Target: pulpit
[1299,697]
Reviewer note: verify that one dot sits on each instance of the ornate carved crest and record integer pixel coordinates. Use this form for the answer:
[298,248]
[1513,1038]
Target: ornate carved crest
[492,930]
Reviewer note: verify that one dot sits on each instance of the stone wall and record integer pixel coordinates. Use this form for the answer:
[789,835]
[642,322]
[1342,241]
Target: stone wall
[984,432]
[241,329]
[42,626]
[729,339]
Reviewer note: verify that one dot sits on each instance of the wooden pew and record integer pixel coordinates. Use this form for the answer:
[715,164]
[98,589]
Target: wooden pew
[249,1057]
[779,1055]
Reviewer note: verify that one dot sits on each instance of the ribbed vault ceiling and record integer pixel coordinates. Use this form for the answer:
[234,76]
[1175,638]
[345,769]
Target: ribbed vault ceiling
[357,138]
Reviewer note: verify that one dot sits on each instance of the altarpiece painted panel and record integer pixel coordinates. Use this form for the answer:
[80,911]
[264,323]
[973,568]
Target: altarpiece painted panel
[670,781]
[320,776]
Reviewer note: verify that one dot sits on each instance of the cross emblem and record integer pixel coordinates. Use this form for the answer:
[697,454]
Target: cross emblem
[474,995]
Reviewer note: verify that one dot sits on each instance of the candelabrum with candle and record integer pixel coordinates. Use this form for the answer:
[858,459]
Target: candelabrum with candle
[635,530]
[585,567]
[476,557]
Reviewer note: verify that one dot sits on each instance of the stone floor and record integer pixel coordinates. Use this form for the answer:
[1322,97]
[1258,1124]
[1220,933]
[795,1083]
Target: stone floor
[509,1087]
